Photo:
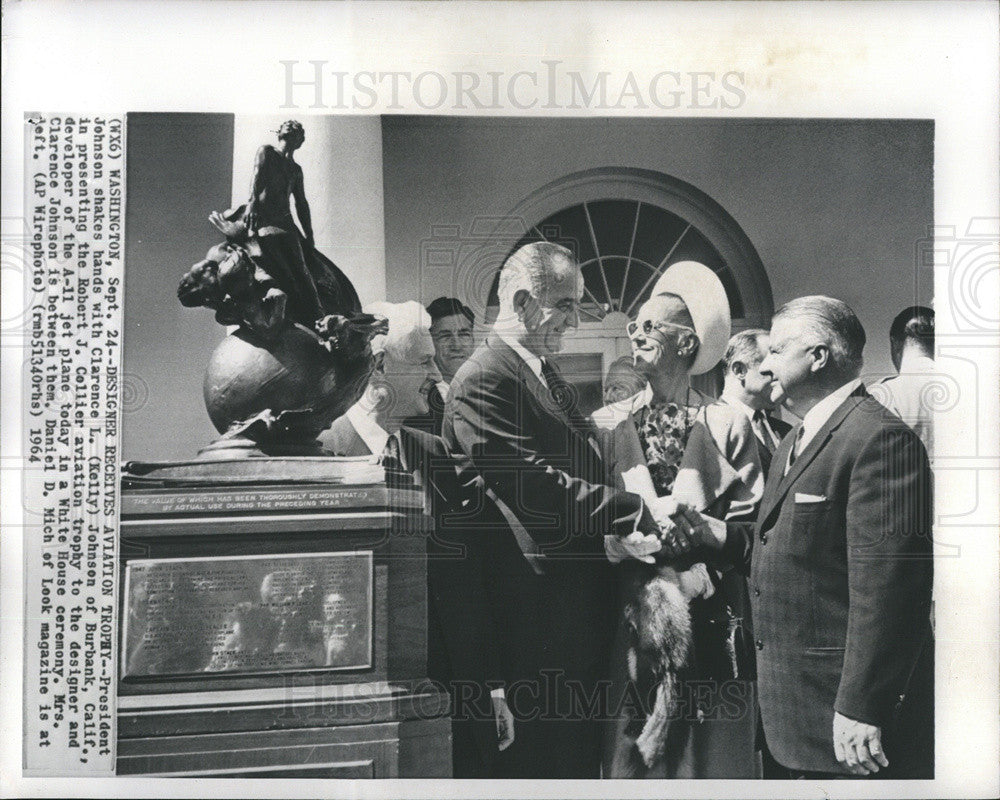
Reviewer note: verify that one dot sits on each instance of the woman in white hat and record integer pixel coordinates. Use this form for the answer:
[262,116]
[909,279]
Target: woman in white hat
[682,700]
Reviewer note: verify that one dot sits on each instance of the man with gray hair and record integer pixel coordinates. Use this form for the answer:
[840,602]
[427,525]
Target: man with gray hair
[753,394]
[404,375]
[548,581]
[841,566]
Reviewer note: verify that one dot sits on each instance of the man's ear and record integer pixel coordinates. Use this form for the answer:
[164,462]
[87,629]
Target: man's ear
[521,297]
[821,358]
[379,368]
[739,369]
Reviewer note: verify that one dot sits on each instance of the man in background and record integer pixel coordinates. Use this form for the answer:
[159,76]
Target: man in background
[754,394]
[911,344]
[452,325]
[622,381]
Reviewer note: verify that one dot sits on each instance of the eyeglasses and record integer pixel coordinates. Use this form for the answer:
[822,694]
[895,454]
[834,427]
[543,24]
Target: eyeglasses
[648,327]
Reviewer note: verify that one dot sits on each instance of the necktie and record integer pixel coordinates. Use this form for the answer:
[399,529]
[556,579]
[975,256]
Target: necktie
[764,431]
[563,395]
[392,460]
[793,453]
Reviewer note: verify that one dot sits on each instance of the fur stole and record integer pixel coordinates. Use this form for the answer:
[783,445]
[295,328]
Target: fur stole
[658,613]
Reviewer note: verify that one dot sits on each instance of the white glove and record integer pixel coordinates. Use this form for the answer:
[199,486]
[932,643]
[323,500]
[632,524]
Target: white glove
[635,545]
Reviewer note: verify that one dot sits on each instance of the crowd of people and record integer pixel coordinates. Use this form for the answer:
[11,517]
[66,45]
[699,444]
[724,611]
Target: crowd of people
[674,585]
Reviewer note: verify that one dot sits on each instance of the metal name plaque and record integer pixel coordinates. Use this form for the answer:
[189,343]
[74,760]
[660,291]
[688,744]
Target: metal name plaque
[247,614]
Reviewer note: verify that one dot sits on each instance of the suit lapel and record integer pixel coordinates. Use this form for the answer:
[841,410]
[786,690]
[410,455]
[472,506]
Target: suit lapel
[526,375]
[805,458]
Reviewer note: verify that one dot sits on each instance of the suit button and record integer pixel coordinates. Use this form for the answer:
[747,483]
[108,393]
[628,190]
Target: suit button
[760,645]
[756,591]
[763,538]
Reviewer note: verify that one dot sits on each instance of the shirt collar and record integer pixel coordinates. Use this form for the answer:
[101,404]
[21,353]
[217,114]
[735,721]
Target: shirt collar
[817,416]
[529,358]
[735,402]
[372,434]
[443,387]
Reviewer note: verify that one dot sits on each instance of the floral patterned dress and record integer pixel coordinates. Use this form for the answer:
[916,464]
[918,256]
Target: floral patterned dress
[663,430]
[689,749]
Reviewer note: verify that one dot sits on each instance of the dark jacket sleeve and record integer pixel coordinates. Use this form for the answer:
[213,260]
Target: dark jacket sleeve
[564,496]
[889,562]
[455,564]
[738,546]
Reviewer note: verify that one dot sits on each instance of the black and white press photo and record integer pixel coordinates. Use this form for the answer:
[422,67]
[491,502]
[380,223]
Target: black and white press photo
[451,399]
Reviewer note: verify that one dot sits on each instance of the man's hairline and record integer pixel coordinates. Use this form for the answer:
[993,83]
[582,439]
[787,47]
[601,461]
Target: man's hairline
[571,266]
[458,314]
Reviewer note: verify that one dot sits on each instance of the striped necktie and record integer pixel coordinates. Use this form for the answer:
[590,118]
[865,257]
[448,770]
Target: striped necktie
[562,393]
[764,431]
[794,452]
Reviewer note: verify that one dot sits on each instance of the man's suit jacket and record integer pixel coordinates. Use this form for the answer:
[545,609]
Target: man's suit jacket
[780,428]
[841,588]
[342,439]
[550,589]
[461,645]
[461,637]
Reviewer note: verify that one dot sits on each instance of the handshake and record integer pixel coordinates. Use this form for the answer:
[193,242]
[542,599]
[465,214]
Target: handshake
[681,529]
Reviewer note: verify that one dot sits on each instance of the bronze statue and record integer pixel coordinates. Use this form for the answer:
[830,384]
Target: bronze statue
[301,355]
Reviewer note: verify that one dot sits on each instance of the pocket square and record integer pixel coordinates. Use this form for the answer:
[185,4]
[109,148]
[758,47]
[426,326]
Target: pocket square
[802,497]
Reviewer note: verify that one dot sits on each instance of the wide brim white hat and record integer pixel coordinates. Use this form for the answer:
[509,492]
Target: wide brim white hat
[706,301]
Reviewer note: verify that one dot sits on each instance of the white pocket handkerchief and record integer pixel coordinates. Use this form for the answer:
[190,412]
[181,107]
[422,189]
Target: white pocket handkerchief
[801,497]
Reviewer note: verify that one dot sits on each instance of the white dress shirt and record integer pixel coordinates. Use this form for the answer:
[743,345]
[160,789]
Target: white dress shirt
[817,416]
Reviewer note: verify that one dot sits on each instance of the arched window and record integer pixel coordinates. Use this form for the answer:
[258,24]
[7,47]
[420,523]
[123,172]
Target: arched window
[626,226]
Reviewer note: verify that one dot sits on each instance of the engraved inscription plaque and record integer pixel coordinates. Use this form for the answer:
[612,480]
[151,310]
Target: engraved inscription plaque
[247,614]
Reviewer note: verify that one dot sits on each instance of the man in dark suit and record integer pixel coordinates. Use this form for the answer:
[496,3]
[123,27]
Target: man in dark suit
[756,395]
[841,565]
[549,584]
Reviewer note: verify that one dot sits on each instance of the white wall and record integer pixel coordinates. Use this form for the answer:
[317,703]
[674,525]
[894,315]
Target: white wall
[832,206]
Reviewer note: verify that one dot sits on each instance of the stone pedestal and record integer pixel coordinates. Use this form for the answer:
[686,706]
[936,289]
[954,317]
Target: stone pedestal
[275,629]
